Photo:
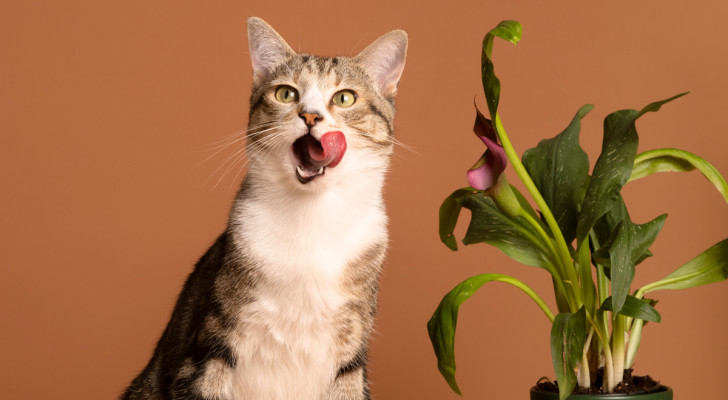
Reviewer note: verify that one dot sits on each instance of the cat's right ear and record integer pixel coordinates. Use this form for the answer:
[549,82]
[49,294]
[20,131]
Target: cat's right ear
[267,49]
[384,61]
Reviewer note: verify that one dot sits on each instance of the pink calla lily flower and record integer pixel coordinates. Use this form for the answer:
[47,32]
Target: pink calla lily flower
[486,171]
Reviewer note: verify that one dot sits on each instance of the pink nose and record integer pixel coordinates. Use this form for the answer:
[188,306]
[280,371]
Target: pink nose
[310,119]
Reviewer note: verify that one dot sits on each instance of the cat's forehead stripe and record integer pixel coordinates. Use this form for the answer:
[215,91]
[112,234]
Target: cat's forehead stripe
[299,66]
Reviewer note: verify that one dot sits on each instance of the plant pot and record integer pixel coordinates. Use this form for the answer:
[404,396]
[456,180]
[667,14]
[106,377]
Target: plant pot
[662,393]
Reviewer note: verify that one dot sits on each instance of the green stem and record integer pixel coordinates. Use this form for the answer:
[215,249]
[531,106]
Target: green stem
[618,348]
[603,337]
[546,239]
[588,291]
[562,248]
[533,295]
[602,281]
[556,272]
[635,337]
[584,373]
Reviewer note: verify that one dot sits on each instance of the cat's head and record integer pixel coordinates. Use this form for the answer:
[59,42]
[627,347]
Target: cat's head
[316,121]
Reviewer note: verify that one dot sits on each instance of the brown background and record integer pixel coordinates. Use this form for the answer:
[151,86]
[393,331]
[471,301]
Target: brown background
[108,110]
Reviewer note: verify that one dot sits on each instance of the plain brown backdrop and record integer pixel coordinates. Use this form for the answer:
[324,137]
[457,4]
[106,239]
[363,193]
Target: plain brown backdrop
[108,111]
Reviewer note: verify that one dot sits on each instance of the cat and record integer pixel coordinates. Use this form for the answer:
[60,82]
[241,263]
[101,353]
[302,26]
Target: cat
[282,305]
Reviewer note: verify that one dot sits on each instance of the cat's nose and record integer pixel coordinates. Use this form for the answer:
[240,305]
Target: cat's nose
[310,119]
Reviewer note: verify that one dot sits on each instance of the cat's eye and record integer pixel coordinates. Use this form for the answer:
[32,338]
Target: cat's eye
[286,94]
[344,98]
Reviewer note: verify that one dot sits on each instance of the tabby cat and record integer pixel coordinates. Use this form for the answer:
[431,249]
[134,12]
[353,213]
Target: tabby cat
[282,305]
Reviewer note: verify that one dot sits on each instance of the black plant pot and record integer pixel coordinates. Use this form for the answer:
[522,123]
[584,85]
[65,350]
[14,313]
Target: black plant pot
[661,393]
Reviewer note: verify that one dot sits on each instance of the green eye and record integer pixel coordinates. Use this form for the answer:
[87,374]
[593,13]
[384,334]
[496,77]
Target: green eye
[344,98]
[286,94]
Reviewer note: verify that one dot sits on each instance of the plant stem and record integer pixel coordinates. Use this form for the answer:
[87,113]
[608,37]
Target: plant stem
[533,295]
[557,273]
[584,375]
[635,337]
[602,281]
[562,248]
[618,348]
[588,291]
[603,336]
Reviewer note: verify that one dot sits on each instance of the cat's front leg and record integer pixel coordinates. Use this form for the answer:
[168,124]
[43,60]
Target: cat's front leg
[351,384]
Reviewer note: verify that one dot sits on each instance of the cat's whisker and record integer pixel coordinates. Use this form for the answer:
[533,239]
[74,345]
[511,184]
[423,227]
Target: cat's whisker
[236,155]
[225,146]
[240,169]
[220,150]
[229,141]
[273,146]
[233,165]
[391,139]
[240,132]
[265,145]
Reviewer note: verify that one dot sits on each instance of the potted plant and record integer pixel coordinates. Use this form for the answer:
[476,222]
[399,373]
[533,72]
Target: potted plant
[582,235]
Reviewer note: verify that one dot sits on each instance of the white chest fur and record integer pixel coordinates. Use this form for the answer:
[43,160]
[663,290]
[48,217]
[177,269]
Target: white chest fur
[303,244]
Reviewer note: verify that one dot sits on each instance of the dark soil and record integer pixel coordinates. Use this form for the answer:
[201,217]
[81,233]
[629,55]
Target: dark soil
[630,385]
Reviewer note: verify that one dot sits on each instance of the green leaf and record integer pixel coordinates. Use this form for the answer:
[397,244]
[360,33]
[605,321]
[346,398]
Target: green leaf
[568,335]
[605,227]
[506,30]
[669,160]
[441,327]
[708,267]
[559,168]
[614,166]
[611,170]
[629,245]
[512,235]
[635,308]
[644,236]
[653,107]
[449,212]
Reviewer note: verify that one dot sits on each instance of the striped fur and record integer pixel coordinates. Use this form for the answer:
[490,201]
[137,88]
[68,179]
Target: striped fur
[282,305]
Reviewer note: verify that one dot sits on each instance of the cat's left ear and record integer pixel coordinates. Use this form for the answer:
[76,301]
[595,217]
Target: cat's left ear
[384,61]
[267,49]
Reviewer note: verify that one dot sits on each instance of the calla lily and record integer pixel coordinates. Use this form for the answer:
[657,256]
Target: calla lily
[486,172]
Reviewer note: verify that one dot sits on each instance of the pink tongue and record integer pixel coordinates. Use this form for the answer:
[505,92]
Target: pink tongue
[333,147]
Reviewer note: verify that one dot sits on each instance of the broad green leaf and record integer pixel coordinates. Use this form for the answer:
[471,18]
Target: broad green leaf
[559,168]
[449,212]
[605,227]
[668,160]
[644,236]
[635,308]
[611,170]
[506,30]
[708,267]
[604,232]
[441,327]
[568,335]
[512,235]
[614,166]
[629,245]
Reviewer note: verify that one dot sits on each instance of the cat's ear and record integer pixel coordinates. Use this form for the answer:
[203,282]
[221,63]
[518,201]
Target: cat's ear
[267,49]
[384,61]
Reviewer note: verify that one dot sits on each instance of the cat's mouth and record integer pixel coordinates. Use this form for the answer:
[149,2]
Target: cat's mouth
[312,157]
